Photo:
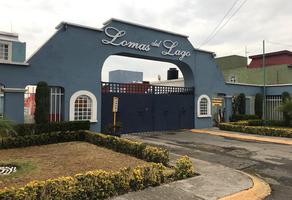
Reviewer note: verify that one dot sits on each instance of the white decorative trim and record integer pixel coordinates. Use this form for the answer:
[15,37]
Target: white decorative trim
[9,51]
[94,104]
[77,25]
[208,106]
[143,26]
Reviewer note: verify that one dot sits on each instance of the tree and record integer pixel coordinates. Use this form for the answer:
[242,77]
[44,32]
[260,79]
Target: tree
[241,103]
[42,101]
[258,105]
[285,107]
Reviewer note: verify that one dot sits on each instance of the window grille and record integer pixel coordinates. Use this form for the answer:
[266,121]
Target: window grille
[83,108]
[204,106]
[56,104]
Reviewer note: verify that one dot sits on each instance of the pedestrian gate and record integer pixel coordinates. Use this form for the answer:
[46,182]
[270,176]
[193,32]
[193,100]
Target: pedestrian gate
[145,107]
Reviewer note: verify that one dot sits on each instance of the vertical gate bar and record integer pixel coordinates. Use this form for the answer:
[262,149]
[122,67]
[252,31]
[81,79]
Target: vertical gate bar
[55,105]
[51,104]
[60,102]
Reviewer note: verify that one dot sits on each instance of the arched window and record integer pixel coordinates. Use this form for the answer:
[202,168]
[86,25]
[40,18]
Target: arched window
[83,106]
[204,106]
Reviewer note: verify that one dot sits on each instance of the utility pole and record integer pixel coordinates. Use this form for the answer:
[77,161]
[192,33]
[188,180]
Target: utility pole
[264,70]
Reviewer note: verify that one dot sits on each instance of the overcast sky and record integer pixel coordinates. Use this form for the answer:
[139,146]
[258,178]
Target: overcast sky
[35,21]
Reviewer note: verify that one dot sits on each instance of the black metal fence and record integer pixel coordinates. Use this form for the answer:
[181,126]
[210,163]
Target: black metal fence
[144,88]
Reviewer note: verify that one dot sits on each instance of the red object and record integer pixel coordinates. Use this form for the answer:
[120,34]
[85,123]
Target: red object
[273,58]
[29,103]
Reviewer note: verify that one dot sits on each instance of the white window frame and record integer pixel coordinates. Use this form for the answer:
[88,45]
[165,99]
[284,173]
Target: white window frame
[93,109]
[9,52]
[208,106]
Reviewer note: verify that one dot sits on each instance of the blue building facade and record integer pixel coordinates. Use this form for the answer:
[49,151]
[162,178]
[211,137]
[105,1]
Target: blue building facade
[72,59]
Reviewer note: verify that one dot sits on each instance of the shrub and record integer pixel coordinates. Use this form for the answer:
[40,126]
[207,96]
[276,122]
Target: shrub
[6,128]
[41,139]
[97,184]
[241,103]
[238,117]
[286,108]
[34,129]
[42,103]
[137,149]
[184,168]
[155,154]
[260,122]
[258,105]
[259,130]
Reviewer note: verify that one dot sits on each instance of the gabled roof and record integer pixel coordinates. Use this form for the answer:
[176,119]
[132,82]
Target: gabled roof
[284,52]
[76,25]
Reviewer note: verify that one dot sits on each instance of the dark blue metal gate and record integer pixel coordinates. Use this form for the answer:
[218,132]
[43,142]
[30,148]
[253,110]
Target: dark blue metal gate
[144,107]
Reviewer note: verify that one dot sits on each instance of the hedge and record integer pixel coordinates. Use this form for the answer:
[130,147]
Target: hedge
[259,130]
[33,129]
[260,122]
[40,139]
[239,117]
[97,184]
[137,149]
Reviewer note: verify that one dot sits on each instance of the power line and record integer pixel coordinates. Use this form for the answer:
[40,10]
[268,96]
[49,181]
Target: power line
[220,22]
[217,31]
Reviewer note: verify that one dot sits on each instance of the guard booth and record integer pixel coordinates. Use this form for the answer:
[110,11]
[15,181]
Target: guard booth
[145,107]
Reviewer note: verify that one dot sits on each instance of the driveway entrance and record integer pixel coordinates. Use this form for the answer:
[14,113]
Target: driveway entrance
[145,107]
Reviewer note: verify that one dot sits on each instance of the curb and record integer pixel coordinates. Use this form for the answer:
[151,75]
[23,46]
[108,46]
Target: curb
[246,136]
[258,191]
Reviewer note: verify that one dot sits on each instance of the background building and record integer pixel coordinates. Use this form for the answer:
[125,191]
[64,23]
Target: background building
[125,76]
[11,49]
[236,69]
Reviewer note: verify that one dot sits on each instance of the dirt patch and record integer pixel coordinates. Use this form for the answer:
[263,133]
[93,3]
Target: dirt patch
[62,159]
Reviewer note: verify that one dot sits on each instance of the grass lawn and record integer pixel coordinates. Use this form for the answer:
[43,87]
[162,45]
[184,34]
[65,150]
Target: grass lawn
[62,159]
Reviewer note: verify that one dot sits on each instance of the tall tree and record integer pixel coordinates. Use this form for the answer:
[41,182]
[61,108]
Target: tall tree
[285,107]
[42,101]
[258,105]
[241,103]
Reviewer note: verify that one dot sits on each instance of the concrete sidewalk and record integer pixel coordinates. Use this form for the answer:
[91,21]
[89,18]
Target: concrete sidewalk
[244,136]
[215,181]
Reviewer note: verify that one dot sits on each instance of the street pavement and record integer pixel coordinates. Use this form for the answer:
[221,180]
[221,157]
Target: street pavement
[269,161]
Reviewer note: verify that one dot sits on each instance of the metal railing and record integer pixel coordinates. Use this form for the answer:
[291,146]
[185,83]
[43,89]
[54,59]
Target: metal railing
[144,88]
[273,103]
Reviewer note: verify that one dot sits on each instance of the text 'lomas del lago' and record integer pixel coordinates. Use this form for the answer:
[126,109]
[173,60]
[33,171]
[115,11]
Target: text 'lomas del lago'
[170,47]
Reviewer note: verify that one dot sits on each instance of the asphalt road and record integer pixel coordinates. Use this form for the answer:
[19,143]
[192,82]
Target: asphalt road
[271,162]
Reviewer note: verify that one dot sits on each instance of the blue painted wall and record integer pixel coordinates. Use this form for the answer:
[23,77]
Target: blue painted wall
[73,59]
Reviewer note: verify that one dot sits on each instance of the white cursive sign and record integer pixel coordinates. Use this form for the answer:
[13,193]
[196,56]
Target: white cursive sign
[170,47]
[118,34]
[7,170]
